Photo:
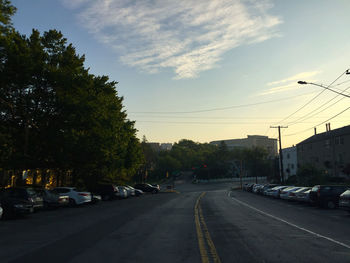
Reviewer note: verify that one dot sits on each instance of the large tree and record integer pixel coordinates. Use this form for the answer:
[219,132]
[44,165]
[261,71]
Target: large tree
[54,114]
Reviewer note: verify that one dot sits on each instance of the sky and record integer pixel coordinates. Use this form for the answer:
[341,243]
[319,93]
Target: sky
[211,70]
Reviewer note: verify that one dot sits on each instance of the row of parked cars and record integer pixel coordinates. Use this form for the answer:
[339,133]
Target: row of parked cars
[328,196]
[16,201]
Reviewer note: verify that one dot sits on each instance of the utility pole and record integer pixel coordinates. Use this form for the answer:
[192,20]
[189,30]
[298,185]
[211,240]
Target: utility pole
[281,155]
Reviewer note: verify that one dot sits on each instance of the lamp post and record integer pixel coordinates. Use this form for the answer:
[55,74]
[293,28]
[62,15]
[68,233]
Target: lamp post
[347,72]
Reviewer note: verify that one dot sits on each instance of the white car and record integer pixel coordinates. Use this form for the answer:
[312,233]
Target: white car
[284,194]
[130,189]
[275,192]
[75,197]
[123,193]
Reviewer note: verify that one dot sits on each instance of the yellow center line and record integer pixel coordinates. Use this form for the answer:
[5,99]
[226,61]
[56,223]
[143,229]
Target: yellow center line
[201,227]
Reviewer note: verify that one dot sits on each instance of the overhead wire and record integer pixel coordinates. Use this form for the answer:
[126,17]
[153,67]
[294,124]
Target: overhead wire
[291,134]
[308,116]
[221,108]
[307,103]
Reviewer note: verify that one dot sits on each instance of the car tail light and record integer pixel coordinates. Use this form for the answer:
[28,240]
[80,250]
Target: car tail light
[292,194]
[318,192]
[83,194]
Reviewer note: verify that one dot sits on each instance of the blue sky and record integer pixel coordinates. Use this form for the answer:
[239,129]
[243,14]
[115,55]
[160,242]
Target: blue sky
[210,70]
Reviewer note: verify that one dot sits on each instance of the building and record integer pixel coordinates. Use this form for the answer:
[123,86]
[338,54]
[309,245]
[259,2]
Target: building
[252,141]
[328,151]
[290,161]
[156,146]
[166,146]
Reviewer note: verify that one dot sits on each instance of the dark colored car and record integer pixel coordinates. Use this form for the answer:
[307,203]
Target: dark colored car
[344,200]
[327,195]
[249,187]
[106,191]
[13,204]
[51,198]
[147,188]
[26,193]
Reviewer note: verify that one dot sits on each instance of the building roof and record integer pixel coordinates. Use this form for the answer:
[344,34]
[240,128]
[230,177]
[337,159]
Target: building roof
[326,135]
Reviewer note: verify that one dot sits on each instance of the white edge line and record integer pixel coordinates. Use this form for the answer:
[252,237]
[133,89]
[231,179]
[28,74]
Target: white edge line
[291,224]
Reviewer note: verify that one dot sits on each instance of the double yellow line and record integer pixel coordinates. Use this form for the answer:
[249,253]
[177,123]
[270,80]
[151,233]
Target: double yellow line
[204,239]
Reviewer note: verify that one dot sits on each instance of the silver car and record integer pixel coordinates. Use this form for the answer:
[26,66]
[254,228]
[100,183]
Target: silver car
[123,192]
[304,196]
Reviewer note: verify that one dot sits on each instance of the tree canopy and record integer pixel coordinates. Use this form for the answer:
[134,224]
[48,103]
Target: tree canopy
[54,114]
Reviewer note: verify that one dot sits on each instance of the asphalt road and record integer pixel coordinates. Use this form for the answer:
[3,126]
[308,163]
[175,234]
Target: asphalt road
[202,223]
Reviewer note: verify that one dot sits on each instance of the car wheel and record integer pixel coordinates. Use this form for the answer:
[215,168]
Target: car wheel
[72,202]
[330,205]
[154,191]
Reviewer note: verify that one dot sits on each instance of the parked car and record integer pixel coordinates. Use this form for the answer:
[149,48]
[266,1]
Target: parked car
[250,187]
[260,189]
[344,200]
[327,195]
[275,191]
[138,192]
[255,188]
[131,190]
[293,194]
[157,186]
[14,205]
[304,196]
[26,193]
[106,191]
[76,197]
[268,187]
[122,192]
[96,198]
[51,198]
[284,194]
[147,188]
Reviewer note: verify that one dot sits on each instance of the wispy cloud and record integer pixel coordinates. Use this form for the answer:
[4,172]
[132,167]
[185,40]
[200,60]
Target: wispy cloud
[290,83]
[189,36]
[296,77]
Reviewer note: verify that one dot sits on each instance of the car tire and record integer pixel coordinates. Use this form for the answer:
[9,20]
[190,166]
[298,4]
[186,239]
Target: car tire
[154,191]
[330,205]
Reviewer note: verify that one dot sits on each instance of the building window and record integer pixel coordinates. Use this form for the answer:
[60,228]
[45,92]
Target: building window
[341,140]
[288,156]
[327,144]
[340,159]
[337,140]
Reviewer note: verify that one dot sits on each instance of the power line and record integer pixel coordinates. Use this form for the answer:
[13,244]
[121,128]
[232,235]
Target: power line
[307,103]
[306,117]
[319,123]
[195,122]
[219,109]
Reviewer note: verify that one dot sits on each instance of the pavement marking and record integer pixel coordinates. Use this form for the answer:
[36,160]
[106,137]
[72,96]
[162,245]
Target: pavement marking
[201,227]
[291,224]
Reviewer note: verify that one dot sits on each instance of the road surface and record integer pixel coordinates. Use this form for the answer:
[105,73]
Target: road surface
[200,223]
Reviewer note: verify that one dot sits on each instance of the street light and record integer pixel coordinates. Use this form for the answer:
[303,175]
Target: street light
[319,85]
